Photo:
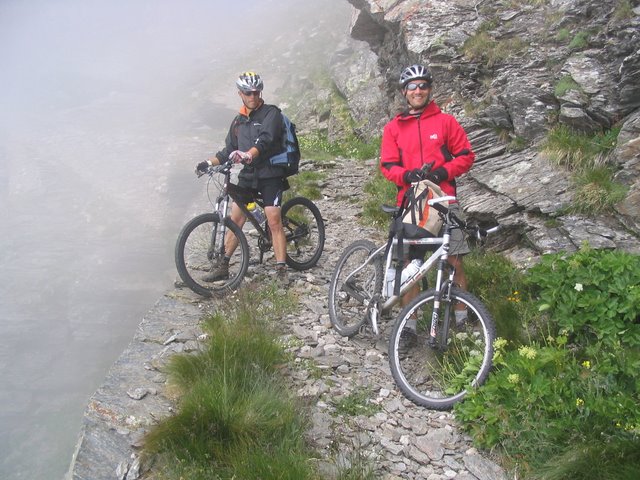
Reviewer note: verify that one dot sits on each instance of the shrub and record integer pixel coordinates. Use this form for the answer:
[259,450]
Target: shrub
[592,294]
[554,405]
[502,288]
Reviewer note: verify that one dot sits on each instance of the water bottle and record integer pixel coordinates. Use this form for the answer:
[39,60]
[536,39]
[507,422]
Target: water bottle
[389,281]
[256,211]
[410,270]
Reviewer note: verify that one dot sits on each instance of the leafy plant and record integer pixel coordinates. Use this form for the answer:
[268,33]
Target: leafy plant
[502,288]
[555,404]
[592,294]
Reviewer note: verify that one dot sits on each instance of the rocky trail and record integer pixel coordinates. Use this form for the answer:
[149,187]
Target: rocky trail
[401,440]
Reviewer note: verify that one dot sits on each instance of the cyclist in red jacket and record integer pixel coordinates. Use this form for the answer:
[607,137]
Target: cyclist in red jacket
[423,134]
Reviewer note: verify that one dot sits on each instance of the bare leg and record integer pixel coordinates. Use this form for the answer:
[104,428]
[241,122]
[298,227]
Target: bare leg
[278,236]
[230,240]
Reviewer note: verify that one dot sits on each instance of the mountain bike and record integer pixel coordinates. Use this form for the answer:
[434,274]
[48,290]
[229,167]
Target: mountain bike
[201,242]
[433,361]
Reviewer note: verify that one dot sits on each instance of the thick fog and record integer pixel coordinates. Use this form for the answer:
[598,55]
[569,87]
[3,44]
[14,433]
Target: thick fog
[105,108]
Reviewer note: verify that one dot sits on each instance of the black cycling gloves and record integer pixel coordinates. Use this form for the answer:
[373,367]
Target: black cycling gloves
[411,176]
[438,175]
[203,166]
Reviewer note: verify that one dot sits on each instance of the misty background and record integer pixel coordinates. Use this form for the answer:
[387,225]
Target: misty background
[105,108]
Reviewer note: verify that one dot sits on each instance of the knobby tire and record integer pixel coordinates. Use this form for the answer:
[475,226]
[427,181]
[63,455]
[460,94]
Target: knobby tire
[349,304]
[437,378]
[304,229]
[194,256]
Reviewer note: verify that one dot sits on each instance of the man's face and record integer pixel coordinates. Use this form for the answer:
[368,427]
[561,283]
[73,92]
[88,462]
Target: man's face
[417,93]
[251,100]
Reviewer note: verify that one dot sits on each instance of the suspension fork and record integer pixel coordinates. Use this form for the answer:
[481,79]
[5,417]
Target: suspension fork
[442,291]
[219,227]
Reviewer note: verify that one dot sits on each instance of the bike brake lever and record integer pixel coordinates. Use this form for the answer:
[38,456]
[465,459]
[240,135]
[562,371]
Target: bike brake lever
[426,168]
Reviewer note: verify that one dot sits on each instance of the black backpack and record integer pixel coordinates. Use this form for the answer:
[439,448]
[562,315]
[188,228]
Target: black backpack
[290,157]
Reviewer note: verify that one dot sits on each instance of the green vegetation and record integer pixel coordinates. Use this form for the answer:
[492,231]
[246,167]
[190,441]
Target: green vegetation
[358,467]
[484,47]
[378,191]
[580,41]
[623,10]
[235,420]
[585,157]
[564,395]
[566,84]
[563,35]
[517,144]
[317,146]
[306,184]
[564,398]
[502,288]
[357,402]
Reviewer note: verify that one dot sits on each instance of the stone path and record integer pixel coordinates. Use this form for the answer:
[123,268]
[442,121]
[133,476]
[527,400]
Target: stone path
[400,440]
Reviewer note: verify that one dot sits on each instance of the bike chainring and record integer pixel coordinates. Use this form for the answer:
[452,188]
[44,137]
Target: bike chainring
[264,244]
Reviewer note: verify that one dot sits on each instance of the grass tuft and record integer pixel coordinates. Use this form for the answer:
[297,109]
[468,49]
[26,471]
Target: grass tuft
[235,420]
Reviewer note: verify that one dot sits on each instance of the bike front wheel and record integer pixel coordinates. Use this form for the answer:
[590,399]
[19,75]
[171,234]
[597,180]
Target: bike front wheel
[439,374]
[200,250]
[353,286]
[304,229]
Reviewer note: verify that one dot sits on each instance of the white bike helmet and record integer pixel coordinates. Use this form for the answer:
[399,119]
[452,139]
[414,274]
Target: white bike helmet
[415,72]
[249,82]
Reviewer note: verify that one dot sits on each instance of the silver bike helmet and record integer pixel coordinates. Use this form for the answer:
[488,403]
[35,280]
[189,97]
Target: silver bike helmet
[415,72]
[249,82]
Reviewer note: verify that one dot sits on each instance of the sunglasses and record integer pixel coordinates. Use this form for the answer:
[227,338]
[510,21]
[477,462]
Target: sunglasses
[250,94]
[414,86]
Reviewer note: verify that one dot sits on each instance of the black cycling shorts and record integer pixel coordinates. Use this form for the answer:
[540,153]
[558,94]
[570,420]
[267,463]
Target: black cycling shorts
[270,190]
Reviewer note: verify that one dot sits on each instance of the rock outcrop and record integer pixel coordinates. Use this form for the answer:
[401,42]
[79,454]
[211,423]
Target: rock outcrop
[510,73]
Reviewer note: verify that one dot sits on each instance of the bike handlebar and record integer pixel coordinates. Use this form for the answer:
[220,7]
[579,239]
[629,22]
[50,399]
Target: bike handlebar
[211,169]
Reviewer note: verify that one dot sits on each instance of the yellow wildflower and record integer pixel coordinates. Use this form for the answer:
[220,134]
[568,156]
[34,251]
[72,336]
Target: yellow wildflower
[527,352]
[513,378]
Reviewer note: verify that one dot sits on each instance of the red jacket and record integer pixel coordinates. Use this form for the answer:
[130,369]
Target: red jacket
[410,141]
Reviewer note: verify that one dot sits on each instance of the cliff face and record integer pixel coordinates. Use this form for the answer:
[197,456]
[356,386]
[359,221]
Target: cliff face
[510,71]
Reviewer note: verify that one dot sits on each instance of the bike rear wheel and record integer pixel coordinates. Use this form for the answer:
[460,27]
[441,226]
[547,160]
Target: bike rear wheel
[350,295]
[304,229]
[437,376]
[200,249]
